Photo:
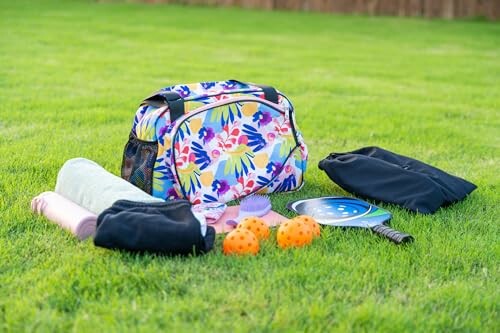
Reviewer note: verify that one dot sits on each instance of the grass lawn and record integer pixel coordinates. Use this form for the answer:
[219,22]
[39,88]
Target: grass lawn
[71,76]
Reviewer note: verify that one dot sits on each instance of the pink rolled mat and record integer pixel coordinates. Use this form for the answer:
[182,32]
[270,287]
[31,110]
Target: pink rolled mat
[272,219]
[67,214]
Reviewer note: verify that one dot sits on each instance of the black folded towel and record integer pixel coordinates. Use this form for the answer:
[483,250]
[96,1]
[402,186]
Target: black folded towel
[164,227]
[381,175]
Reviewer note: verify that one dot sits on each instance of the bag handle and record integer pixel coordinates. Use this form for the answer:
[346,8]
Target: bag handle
[270,93]
[173,100]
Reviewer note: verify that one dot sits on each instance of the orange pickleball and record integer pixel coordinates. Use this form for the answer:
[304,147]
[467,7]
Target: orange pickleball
[240,241]
[311,222]
[256,225]
[294,233]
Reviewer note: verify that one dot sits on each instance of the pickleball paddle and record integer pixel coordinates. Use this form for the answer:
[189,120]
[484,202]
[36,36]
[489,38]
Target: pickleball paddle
[349,212]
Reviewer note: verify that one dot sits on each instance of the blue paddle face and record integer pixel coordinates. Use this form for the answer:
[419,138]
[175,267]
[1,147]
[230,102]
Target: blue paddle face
[341,211]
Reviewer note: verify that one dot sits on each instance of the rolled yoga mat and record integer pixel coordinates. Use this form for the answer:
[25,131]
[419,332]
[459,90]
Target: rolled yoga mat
[65,213]
[89,185]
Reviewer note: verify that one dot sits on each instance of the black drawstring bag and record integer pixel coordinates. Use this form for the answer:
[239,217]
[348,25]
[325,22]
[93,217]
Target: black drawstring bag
[162,227]
[377,174]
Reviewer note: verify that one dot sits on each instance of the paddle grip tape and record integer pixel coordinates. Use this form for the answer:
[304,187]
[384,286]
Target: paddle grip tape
[394,235]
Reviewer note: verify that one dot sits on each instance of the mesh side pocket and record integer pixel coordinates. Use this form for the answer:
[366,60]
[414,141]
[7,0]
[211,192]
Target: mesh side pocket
[138,162]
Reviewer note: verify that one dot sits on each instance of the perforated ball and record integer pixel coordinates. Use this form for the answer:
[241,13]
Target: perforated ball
[294,233]
[311,222]
[256,225]
[240,241]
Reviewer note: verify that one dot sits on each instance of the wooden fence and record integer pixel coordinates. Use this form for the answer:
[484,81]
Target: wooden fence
[427,8]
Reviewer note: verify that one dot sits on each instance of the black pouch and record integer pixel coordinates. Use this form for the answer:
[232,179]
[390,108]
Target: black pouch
[162,227]
[377,174]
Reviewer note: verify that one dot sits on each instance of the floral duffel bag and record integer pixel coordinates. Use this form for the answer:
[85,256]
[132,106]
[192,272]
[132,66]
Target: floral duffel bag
[215,142]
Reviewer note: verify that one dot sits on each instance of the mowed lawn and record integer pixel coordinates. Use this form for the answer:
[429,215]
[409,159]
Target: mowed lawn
[71,76]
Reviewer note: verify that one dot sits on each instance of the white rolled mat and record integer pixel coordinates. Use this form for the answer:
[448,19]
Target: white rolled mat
[89,185]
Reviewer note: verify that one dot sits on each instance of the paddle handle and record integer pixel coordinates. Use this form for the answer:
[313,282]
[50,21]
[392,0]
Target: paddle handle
[394,235]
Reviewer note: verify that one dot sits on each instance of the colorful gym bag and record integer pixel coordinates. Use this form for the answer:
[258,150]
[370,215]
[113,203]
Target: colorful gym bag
[215,141]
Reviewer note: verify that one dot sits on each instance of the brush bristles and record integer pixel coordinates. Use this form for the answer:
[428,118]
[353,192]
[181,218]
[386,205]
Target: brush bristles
[254,202]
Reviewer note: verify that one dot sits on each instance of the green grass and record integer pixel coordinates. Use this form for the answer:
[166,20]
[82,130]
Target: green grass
[71,76]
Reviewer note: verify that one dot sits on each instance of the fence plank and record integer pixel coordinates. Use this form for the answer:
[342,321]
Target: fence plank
[428,8]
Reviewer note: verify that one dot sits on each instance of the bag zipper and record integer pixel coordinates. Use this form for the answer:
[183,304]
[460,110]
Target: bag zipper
[162,110]
[216,93]
[222,103]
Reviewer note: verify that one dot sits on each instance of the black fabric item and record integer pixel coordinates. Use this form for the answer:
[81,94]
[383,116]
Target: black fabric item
[162,227]
[377,174]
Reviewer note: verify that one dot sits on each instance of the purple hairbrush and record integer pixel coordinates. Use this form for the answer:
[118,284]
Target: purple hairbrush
[254,205]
